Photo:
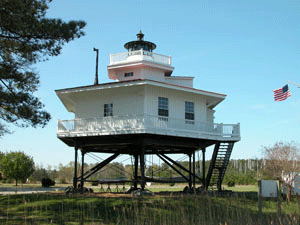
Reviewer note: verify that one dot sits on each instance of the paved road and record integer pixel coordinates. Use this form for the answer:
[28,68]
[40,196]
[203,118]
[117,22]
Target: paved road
[20,190]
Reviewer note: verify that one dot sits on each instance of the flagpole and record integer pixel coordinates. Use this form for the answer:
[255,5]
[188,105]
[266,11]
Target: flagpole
[291,82]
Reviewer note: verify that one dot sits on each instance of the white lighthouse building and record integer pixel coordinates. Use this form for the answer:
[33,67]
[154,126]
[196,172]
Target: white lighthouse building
[146,110]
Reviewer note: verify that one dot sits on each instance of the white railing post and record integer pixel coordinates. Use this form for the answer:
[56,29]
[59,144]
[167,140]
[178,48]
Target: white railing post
[58,126]
[154,124]
[121,57]
[238,130]
[221,129]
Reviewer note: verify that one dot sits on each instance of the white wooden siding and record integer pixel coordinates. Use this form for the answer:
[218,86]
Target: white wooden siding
[179,81]
[141,73]
[176,102]
[153,74]
[126,101]
[138,100]
[136,74]
[210,115]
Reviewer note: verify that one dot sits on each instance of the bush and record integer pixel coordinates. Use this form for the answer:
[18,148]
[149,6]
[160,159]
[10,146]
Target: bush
[47,182]
[95,183]
[62,181]
[231,183]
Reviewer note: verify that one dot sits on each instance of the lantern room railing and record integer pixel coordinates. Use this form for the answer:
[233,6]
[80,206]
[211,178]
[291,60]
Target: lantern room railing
[139,55]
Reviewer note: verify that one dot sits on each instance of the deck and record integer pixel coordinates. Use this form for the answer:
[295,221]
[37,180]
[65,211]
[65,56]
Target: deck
[148,124]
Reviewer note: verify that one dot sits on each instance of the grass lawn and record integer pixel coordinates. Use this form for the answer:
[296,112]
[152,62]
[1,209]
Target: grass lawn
[57,208]
[153,188]
[242,188]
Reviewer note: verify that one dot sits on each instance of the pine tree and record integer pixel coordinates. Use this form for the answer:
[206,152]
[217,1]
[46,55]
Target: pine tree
[27,36]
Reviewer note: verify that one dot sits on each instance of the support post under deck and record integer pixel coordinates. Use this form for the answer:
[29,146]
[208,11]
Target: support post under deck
[142,162]
[203,168]
[82,170]
[190,171]
[75,168]
[194,170]
[136,165]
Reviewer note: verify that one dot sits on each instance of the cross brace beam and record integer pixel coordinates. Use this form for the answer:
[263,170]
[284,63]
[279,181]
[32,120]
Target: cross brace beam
[98,167]
[181,167]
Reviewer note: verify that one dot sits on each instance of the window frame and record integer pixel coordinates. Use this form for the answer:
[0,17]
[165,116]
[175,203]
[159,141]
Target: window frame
[163,107]
[189,112]
[108,109]
[128,74]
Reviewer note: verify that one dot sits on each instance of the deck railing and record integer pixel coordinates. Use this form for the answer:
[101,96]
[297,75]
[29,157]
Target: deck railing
[139,55]
[146,124]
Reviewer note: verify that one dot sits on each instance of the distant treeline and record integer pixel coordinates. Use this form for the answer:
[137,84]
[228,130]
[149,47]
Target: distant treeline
[239,171]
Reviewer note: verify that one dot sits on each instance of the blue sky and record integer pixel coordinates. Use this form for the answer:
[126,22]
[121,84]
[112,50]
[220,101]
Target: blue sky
[244,49]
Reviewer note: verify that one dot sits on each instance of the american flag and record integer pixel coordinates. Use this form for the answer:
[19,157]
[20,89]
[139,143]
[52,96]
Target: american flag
[281,94]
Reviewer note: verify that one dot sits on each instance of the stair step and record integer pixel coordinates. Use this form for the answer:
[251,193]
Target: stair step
[218,167]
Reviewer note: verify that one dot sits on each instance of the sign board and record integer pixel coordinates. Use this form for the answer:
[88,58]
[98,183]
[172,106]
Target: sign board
[268,188]
[297,185]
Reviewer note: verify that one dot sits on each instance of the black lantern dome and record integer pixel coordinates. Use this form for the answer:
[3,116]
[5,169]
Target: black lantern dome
[140,44]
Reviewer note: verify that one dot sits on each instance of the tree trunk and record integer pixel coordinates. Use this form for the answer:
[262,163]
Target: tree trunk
[288,194]
[16,182]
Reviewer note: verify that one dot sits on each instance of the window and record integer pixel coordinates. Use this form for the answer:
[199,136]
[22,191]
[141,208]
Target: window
[189,112]
[163,107]
[108,110]
[128,74]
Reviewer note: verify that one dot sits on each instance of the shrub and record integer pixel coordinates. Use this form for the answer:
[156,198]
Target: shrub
[231,183]
[62,181]
[47,182]
[95,183]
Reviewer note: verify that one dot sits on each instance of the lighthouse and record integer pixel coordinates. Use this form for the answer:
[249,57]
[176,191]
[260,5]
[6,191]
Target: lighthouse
[146,110]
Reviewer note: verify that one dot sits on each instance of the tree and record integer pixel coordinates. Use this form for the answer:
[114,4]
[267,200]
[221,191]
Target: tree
[38,174]
[1,156]
[282,163]
[66,173]
[27,37]
[17,165]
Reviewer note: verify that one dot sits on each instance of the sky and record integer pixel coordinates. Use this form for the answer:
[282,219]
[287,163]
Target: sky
[244,49]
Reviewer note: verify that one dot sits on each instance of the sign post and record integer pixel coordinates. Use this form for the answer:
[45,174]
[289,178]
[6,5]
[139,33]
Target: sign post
[269,189]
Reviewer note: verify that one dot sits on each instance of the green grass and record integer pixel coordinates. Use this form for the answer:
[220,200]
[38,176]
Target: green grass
[159,209]
[242,188]
[161,189]
[154,188]
[183,209]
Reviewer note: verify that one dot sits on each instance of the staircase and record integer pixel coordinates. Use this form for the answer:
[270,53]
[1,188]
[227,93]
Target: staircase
[218,164]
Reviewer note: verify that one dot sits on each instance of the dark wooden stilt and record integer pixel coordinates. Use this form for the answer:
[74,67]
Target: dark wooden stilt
[190,171]
[82,170]
[203,168]
[136,165]
[194,170]
[75,168]
[142,162]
